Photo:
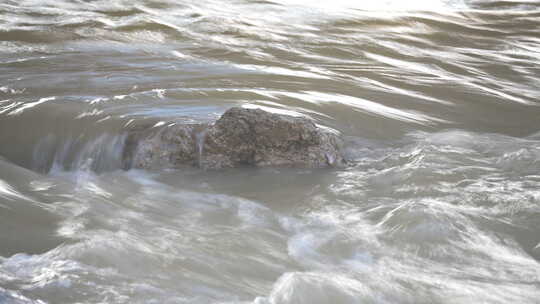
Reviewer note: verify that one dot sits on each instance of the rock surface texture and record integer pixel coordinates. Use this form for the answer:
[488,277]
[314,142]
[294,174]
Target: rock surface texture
[240,137]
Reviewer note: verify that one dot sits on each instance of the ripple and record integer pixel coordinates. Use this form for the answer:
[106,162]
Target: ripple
[420,206]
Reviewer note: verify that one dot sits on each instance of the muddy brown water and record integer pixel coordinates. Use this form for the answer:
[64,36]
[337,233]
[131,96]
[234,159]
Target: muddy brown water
[438,102]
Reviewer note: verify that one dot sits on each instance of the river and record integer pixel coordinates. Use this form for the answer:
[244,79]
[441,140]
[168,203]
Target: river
[438,102]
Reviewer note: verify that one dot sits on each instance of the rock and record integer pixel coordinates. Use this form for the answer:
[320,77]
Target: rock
[240,137]
[172,146]
[259,138]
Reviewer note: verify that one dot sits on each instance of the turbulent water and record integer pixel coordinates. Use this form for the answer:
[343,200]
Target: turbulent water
[439,103]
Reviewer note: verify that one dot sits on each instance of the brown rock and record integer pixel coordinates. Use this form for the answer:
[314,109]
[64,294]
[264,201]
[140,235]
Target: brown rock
[240,137]
[171,146]
[259,138]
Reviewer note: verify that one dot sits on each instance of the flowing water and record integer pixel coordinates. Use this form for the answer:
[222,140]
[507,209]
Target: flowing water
[439,103]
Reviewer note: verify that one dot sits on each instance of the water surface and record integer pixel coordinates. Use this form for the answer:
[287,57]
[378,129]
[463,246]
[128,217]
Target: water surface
[438,102]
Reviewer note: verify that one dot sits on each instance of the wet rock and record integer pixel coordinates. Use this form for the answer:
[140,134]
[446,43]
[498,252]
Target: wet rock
[259,138]
[240,137]
[171,146]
